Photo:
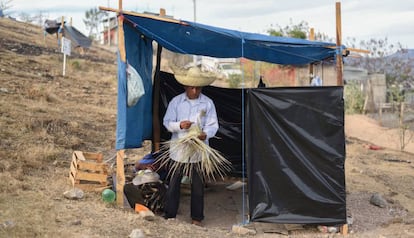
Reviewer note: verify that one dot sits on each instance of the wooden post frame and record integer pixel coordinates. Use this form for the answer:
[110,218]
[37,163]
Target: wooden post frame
[120,177]
[312,38]
[156,129]
[121,37]
[339,63]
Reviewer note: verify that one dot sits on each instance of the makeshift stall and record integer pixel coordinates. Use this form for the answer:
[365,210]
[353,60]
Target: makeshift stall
[289,141]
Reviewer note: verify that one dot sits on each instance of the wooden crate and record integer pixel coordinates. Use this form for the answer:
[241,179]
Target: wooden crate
[88,171]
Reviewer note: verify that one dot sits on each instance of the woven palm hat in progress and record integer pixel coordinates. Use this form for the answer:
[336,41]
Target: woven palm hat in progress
[195,78]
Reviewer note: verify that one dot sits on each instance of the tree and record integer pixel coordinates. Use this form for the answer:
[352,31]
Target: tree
[296,31]
[391,60]
[39,18]
[92,19]
[299,31]
[25,17]
[5,5]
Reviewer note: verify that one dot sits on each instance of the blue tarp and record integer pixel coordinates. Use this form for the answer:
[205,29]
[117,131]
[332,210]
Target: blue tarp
[135,124]
[198,39]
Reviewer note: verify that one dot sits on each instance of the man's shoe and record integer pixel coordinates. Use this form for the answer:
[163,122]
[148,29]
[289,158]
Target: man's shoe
[197,223]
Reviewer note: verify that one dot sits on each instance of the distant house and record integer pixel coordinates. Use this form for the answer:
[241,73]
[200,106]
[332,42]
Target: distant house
[110,37]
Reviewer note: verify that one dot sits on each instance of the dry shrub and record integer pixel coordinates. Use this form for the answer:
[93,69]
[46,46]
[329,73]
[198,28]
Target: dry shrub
[2,167]
[36,154]
[354,99]
[108,81]
[35,92]
[42,93]
[8,184]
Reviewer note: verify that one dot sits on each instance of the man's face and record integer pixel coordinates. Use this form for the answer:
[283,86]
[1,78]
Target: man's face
[192,92]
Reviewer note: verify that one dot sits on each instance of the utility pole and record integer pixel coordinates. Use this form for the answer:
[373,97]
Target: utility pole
[194,6]
[195,20]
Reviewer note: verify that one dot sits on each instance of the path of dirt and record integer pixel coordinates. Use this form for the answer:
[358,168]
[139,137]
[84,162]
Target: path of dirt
[369,130]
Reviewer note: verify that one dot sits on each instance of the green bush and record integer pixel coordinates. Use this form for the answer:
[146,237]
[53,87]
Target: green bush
[76,65]
[234,80]
[354,98]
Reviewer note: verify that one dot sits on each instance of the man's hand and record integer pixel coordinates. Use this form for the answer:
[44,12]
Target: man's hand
[202,136]
[185,124]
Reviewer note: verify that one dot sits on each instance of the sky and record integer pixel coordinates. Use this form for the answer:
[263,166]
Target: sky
[361,19]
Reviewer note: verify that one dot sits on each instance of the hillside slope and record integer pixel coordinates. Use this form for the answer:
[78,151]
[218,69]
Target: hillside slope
[44,117]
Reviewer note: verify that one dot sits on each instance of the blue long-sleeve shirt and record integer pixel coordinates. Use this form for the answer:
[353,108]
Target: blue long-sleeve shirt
[182,108]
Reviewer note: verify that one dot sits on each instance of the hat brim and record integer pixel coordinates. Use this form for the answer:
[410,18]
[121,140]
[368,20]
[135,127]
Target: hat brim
[192,81]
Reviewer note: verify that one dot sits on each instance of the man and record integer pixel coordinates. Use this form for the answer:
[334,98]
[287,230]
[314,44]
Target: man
[184,111]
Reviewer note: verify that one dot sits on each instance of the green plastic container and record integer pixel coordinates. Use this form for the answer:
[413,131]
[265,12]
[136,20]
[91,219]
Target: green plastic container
[108,195]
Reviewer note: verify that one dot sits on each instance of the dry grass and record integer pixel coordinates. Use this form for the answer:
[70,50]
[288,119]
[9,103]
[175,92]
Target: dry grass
[44,117]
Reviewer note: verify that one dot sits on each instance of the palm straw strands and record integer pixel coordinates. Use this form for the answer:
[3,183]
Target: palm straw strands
[190,146]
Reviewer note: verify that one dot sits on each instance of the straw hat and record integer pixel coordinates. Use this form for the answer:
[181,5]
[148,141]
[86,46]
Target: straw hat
[195,78]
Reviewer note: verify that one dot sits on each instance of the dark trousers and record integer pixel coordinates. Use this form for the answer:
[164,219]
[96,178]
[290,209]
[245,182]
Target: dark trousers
[197,195]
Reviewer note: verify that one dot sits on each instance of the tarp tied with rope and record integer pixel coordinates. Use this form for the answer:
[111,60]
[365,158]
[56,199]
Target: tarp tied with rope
[198,39]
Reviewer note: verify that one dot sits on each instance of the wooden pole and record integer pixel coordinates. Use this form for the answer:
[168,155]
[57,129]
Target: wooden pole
[339,68]
[120,173]
[311,37]
[120,177]
[339,63]
[121,40]
[164,19]
[62,22]
[156,129]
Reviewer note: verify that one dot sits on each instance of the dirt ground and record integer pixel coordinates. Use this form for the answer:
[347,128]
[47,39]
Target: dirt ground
[44,117]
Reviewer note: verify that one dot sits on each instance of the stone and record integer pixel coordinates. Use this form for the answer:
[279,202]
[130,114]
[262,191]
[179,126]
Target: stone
[147,215]
[74,194]
[240,230]
[136,233]
[377,200]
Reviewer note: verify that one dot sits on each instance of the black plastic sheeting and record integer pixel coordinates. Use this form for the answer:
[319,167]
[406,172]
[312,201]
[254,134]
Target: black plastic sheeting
[77,38]
[228,106]
[295,148]
[51,26]
[296,152]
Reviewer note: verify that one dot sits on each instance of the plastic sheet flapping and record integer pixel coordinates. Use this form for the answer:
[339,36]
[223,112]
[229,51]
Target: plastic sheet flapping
[295,148]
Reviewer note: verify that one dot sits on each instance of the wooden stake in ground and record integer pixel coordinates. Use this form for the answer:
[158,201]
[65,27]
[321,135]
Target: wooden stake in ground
[120,178]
